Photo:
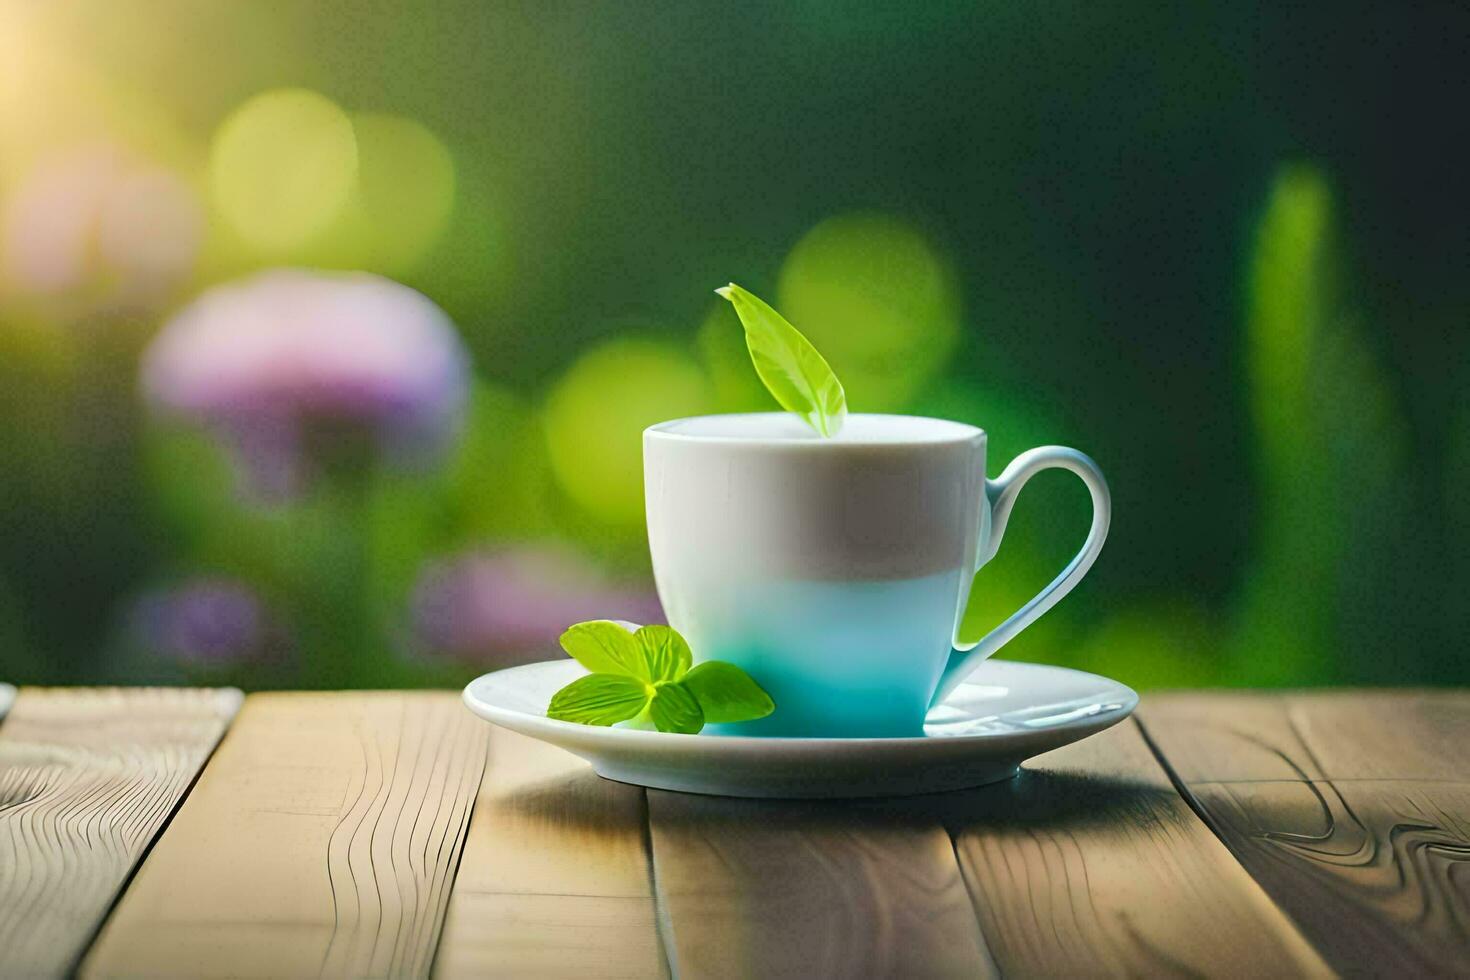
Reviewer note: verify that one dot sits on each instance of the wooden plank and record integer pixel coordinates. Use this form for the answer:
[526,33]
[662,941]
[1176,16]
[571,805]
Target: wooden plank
[1387,734]
[87,779]
[1090,863]
[752,888]
[1334,735]
[1351,809]
[321,840]
[555,880]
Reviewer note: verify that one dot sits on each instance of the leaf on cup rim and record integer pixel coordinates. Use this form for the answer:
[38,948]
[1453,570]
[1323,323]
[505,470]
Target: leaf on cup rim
[792,369]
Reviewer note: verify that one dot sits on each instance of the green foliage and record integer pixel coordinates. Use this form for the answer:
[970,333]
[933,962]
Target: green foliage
[665,655]
[1160,642]
[658,684]
[726,693]
[599,699]
[674,708]
[499,483]
[1331,445]
[793,371]
[74,535]
[603,646]
[1292,303]
[1288,475]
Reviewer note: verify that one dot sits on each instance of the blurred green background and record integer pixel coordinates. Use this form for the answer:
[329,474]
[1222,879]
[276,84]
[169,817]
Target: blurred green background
[1221,248]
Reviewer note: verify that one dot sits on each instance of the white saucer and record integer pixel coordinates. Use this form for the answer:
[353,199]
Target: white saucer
[7,698]
[1004,714]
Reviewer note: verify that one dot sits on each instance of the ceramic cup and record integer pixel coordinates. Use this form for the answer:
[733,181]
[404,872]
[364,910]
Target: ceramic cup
[835,571]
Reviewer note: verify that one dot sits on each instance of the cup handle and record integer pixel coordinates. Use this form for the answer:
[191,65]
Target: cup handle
[1000,496]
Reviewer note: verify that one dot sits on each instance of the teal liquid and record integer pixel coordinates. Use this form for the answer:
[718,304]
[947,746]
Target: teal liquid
[840,659]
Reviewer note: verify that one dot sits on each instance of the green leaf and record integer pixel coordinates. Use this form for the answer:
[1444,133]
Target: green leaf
[666,656]
[641,675]
[599,699]
[792,369]
[604,647]
[727,693]
[674,709]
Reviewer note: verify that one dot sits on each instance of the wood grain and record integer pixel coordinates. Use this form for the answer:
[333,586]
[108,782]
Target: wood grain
[1352,810]
[752,888]
[320,841]
[1090,863]
[87,778]
[555,880]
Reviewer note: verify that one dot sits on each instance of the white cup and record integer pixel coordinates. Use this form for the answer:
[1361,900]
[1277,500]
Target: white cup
[835,570]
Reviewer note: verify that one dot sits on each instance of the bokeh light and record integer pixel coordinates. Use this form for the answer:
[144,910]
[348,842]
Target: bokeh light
[98,226]
[149,232]
[282,168]
[720,341]
[500,607]
[596,415]
[51,222]
[879,300]
[405,190]
[210,623]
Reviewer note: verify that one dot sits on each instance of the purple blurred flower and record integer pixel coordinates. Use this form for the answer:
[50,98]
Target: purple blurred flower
[208,622]
[288,355]
[98,228]
[511,606]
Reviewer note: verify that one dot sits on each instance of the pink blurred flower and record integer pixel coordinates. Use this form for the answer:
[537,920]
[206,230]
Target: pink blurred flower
[510,606]
[98,228]
[288,354]
[208,622]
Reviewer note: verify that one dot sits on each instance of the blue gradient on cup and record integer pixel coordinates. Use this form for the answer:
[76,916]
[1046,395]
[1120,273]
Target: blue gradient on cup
[840,659]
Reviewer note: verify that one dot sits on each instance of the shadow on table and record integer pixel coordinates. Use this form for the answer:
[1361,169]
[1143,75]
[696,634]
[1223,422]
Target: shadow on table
[1054,800]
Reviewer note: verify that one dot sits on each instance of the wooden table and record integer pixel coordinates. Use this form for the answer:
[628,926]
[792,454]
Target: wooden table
[192,833]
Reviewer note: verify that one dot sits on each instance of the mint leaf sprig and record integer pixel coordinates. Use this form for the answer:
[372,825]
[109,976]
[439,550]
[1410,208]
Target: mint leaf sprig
[649,675]
[793,371]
